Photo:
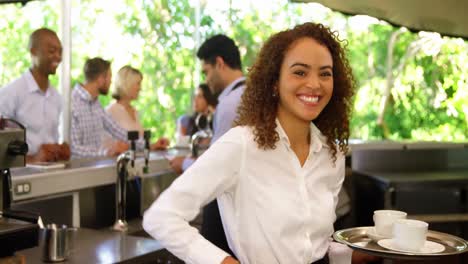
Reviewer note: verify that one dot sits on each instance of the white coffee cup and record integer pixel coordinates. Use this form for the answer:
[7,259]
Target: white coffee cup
[384,219]
[409,234]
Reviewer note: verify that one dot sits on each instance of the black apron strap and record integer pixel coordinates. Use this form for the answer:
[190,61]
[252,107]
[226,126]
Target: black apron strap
[239,84]
[323,260]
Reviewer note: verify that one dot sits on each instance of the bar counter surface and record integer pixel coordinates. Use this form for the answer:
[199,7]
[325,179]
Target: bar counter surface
[99,246]
[30,183]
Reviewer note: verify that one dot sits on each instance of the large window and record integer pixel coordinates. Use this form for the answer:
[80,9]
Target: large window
[421,95]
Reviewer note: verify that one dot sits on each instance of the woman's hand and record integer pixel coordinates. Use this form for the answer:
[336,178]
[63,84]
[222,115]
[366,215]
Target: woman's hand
[116,148]
[230,260]
[161,144]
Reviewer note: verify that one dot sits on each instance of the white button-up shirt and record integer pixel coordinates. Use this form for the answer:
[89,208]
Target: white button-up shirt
[273,209]
[38,111]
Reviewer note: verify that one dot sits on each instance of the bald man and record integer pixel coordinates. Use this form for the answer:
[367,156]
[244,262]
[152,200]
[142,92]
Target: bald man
[33,102]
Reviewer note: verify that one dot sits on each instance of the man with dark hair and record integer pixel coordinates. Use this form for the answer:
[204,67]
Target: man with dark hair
[220,46]
[89,120]
[33,102]
[221,66]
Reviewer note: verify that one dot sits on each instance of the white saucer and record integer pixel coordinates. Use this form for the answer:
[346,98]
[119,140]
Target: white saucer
[372,234]
[428,248]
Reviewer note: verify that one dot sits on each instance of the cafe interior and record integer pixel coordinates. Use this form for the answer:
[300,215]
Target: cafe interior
[90,210]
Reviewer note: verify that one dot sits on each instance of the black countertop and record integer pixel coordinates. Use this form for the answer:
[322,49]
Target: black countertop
[102,246]
[419,178]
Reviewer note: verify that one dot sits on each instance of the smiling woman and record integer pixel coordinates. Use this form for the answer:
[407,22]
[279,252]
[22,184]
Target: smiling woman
[278,168]
[317,65]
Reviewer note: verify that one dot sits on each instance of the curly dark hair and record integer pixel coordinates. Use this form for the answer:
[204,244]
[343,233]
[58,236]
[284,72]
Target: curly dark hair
[259,105]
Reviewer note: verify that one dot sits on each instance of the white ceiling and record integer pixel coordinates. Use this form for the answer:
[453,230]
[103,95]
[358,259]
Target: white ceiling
[448,17]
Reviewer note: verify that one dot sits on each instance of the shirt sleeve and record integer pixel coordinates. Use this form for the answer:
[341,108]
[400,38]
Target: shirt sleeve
[60,113]
[7,102]
[187,163]
[216,172]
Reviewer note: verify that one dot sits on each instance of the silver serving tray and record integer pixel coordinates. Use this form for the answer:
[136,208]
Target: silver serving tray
[357,239]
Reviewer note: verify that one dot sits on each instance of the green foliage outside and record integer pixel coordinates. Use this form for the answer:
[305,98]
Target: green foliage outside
[428,93]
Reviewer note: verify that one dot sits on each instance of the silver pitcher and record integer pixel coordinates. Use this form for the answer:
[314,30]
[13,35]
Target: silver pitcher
[57,242]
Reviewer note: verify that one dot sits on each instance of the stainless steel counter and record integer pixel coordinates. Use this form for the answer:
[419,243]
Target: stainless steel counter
[91,246]
[84,189]
[79,174]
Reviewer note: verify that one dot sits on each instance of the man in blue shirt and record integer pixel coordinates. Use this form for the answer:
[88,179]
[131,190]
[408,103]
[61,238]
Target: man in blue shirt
[222,68]
[33,102]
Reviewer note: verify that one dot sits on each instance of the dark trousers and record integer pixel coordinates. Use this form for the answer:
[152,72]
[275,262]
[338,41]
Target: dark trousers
[324,260]
[212,227]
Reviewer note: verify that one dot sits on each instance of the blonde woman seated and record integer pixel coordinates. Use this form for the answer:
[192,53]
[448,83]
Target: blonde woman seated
[127,88]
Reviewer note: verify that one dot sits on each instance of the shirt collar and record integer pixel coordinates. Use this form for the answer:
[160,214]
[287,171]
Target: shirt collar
[317,139]
[33,86]
[85,95]
[231,85]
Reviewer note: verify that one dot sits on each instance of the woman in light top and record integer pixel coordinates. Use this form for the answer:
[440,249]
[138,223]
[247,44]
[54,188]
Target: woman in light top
[126,89]
[277,174]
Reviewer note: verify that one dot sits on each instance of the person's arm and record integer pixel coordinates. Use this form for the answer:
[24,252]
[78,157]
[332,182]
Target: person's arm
[77,133]
[60,109]
[160,144]
[8,102]
[46,153]
[181,163]
[230,260]
[117,131]
[167,220]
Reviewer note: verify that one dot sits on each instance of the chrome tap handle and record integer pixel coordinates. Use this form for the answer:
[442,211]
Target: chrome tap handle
[196,141]
[133,137]
[121,191]
[147,137]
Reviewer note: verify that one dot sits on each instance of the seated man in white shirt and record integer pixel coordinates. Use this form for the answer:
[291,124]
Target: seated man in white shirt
[33,102]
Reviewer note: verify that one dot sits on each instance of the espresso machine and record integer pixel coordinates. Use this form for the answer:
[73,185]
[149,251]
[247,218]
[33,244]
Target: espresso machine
[18,230]
[200,141]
